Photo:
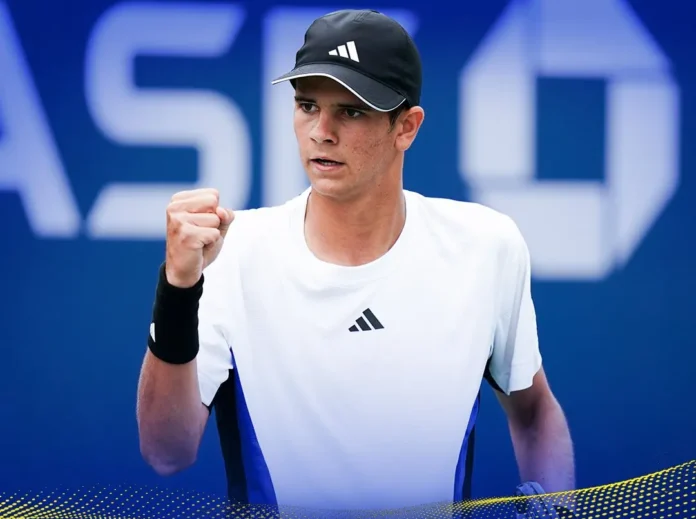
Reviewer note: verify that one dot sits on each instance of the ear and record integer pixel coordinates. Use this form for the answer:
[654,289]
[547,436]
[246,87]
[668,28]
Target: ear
[407,126]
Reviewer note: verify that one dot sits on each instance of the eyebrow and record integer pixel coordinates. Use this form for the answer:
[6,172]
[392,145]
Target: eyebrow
[354,106]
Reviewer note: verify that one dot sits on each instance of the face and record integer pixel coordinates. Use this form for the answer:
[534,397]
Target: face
[345,146]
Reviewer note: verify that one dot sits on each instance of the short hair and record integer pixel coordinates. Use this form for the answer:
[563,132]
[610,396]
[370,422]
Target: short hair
[395,113]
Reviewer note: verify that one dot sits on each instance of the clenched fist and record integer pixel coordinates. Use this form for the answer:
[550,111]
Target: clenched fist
[196,228]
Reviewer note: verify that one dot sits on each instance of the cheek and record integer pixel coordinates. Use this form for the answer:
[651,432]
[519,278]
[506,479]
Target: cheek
[372,152]
[298,124]
[301,130]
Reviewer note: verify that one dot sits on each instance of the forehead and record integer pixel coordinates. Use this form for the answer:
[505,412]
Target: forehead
[324,88]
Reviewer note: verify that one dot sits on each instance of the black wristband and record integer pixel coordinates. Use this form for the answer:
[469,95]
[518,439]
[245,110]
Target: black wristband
[174,330]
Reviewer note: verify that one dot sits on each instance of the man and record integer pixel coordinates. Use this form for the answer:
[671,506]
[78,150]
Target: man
[343,337]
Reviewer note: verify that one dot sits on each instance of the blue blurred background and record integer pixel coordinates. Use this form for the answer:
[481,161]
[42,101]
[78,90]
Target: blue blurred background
[576,118]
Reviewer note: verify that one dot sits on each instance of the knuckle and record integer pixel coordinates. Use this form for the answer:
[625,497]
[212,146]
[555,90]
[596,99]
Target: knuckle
[201,203]
[175,207]
[190,240]
[187,233]
[179,195]
[211,235]
[176,219]
[182,230]
[211,201]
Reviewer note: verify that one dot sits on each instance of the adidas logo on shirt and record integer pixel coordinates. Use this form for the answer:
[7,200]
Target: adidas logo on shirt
[346,51]
[361,324]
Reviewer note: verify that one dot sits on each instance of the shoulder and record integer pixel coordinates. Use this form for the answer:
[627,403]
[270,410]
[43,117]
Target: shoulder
[255,233]
[471,225]
[263,223]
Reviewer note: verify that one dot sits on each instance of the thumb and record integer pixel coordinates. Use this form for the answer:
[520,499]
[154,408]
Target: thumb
[226,218]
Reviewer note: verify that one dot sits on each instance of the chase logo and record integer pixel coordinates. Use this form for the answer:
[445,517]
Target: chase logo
[206,120]
[580,230]
[575,230]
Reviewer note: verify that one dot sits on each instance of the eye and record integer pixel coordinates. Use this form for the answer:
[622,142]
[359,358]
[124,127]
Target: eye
[352,113]
[306,107]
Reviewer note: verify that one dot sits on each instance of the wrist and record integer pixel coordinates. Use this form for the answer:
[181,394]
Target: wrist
[175,280]
[174,330]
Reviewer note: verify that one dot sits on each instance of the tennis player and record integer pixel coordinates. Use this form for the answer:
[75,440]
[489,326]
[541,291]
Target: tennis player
[343,337]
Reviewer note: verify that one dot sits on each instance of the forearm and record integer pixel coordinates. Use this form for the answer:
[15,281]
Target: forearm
[171,417]
[544,449]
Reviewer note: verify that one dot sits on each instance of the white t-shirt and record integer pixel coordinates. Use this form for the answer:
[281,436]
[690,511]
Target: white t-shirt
[357,387]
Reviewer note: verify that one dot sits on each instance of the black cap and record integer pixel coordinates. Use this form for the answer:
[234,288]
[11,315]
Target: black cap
[367,52]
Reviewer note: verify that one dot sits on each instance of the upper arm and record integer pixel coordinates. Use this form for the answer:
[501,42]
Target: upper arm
[521,406]
[515,357]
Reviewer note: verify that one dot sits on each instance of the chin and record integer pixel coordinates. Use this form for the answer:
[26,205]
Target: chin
[335,188]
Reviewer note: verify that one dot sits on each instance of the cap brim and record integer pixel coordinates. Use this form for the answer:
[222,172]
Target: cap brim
[370,92]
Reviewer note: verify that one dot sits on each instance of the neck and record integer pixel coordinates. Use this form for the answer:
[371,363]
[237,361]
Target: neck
[357,231]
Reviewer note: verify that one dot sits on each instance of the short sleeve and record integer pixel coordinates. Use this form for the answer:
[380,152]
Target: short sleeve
[515,357]
[214,360]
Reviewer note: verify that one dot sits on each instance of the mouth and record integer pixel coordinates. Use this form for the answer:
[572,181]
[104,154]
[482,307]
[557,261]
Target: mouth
[326,162]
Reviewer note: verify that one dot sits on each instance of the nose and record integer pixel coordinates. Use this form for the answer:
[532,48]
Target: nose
[323,129]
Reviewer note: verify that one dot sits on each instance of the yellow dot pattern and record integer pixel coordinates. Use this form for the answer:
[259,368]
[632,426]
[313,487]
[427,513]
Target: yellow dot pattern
[668,494]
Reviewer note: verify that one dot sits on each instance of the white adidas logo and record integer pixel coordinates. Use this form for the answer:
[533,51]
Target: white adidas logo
[346,51]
